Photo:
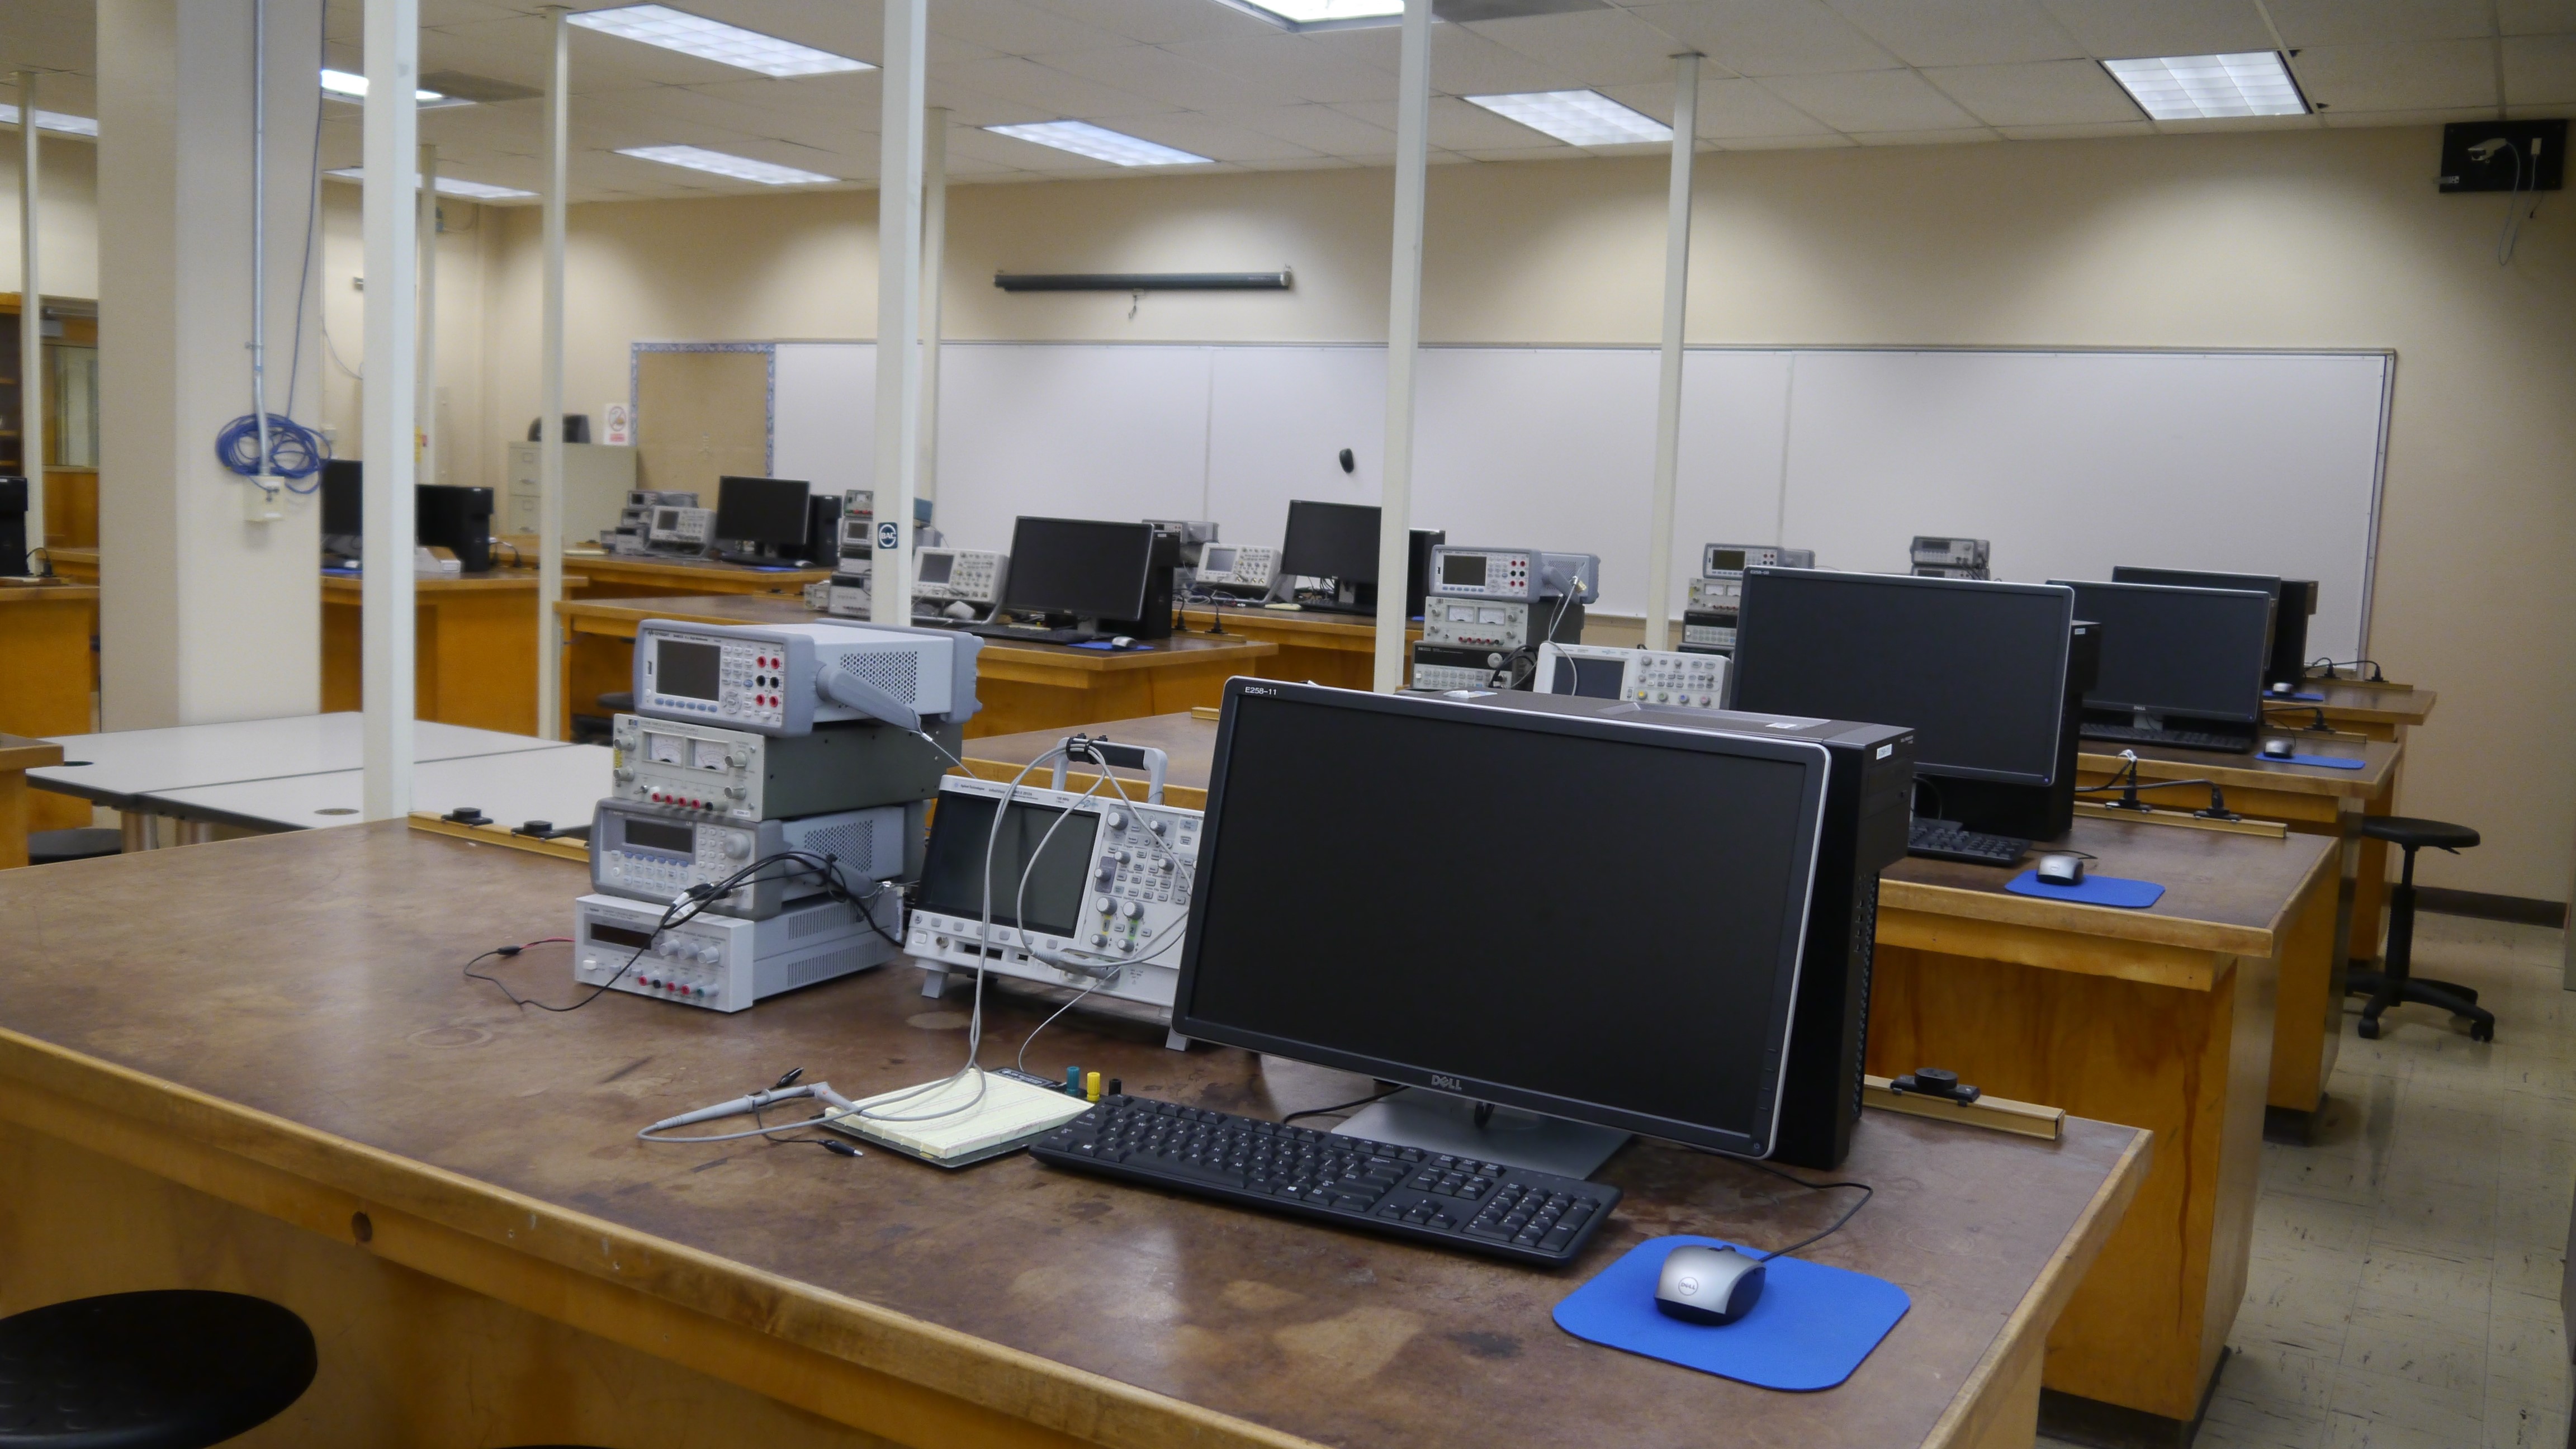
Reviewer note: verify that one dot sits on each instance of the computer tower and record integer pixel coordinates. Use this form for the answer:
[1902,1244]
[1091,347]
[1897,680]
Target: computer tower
[2290,617]
[1417,568]
[458,519]
[13,525]
[1869,784]
[822,528]
[1157,622]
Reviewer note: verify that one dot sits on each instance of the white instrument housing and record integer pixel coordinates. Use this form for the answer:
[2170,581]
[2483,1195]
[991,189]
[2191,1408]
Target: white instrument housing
[654,854]
[725,963]
[769,678]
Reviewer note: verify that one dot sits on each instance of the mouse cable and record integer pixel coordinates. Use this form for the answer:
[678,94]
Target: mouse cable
[1340,1106]
[1866,1193]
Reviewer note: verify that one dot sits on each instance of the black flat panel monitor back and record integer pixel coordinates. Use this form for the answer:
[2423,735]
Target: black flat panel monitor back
[2293,601]
[1335,541]
[1640,979]
[771,512]
[344,498]
[1977,669]
[2188,653]
[1089,567]
[457,519]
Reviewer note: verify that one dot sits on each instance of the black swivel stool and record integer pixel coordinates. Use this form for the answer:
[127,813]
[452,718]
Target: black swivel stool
[168,1369]
[2388,987]
[86,842]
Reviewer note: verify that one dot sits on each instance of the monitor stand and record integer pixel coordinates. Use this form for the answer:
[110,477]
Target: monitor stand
[1439,1122]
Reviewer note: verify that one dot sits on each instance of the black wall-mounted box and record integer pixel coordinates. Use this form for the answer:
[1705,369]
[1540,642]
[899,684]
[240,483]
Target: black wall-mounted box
[2535,159]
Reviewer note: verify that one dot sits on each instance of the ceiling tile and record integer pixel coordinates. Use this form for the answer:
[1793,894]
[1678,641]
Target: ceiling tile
[2419,76]
[1598,47]
[2536,17]
[1317,128]
[1010,27]
[2119,29]
[1923,138]
[1312,71]
[1872,100]
[1824,141]
[2540,70]
[1160,22]
[1458,126]
[2044,93]
[1024,155]
[1770,37]
[1729,108]
[435,13]
[1463,62]
[2379,22]
[1962,32]
[968,107]
[1046,88]
[1144,70]
[2439,116]
[1217,140]
[2077,132]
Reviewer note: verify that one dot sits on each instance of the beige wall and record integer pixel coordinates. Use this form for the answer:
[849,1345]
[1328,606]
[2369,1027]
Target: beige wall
[67,210]
[467,235]
[2293,239]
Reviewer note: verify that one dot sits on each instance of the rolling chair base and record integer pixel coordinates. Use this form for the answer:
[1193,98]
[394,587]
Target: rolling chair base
[2385,992]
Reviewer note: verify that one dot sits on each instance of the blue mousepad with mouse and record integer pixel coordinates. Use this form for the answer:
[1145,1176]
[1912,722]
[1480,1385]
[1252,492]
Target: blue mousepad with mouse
[2093,890]
[1812,1326]
[2331,762]
[2301,698]
[1105,646]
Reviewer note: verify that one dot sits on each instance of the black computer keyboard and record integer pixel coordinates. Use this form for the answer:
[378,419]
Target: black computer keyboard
[1032,635]
[1405,1192]
[2179,739]
[1941,840]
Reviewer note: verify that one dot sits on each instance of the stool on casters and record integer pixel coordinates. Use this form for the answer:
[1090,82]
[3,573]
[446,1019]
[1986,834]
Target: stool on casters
[168,1369]
[2394,984]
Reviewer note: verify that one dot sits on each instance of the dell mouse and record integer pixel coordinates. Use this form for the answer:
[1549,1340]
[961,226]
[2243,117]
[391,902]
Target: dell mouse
[1122,642]
[959,609]
[2061,869]
[1708,1285]
[2278,749]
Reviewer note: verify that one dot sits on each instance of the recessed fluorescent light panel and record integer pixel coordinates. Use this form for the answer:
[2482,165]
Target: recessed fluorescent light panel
[344,85]
[714,40]
[2199,87]
[53,121]
[447,186]
[1578,118]
[720,163]
[1100,144]
[1326,12]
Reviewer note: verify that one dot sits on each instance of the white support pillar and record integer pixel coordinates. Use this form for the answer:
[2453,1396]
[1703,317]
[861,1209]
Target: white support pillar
[934,274]
[204,615]
[425,391]
[1668,393]
[389,227]
[31,318]
[898,310]
[1403,341]
[550,376]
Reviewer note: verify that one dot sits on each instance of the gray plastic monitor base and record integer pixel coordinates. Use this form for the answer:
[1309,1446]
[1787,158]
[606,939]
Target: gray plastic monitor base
[1439,1122]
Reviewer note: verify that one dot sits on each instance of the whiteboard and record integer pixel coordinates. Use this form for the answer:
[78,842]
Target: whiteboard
[2069,461]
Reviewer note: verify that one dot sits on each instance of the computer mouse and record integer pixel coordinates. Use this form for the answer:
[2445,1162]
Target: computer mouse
[2279,749]
[1122,642]
[959,609]
[2061,869]
[1701,1284]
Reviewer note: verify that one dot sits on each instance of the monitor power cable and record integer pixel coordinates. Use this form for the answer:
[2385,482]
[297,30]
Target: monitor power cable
[2127,784]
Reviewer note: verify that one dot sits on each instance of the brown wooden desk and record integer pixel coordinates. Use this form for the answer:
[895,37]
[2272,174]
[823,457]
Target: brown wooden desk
[474,648]
[450,1192]
[49,677]
[18,755]
[625,576]
[1336,649]
[2160,1018]
[2378,711]
[1020,686]
[78,565]
[2308,1027]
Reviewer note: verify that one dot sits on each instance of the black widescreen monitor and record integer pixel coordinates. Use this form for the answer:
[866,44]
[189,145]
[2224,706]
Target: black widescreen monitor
[1978,669]
[1330,541]
[766,511]
[1639,979]
[1088,567]
[2193,653]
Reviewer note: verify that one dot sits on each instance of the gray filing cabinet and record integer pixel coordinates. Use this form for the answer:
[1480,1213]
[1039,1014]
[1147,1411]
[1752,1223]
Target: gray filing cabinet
[597,478]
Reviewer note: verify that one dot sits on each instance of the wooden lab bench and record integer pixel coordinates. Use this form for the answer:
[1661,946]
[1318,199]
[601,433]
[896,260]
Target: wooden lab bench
[1323,648]
[275,1080]
[49,676]
[474,648]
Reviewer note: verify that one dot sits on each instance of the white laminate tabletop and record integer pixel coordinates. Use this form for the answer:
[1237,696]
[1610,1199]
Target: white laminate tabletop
[114,768]
[559,784]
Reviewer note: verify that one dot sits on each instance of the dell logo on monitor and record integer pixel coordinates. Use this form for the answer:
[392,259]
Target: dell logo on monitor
[1447,1084]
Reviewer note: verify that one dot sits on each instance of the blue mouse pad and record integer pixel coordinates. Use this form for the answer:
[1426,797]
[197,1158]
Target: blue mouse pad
[1812,1326]
[1106,647]
[2093,890]
[2331,762]
[2301,698]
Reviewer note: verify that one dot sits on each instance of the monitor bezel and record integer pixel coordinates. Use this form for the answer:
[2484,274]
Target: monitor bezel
[2058,732]
[2199,579]
[2253,712]
[1813,757]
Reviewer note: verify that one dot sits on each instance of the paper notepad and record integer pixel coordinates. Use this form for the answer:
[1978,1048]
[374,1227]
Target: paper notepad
[1011,1114]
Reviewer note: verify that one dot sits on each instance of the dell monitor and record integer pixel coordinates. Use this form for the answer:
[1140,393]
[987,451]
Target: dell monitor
[458,519]
[771,515]
[1338,541]
[2294,600]
[2185,661]
[1091,570]
[1980,670]
[1477,953]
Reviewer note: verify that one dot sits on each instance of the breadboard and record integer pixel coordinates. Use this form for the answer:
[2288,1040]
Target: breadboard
[1995,1113]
